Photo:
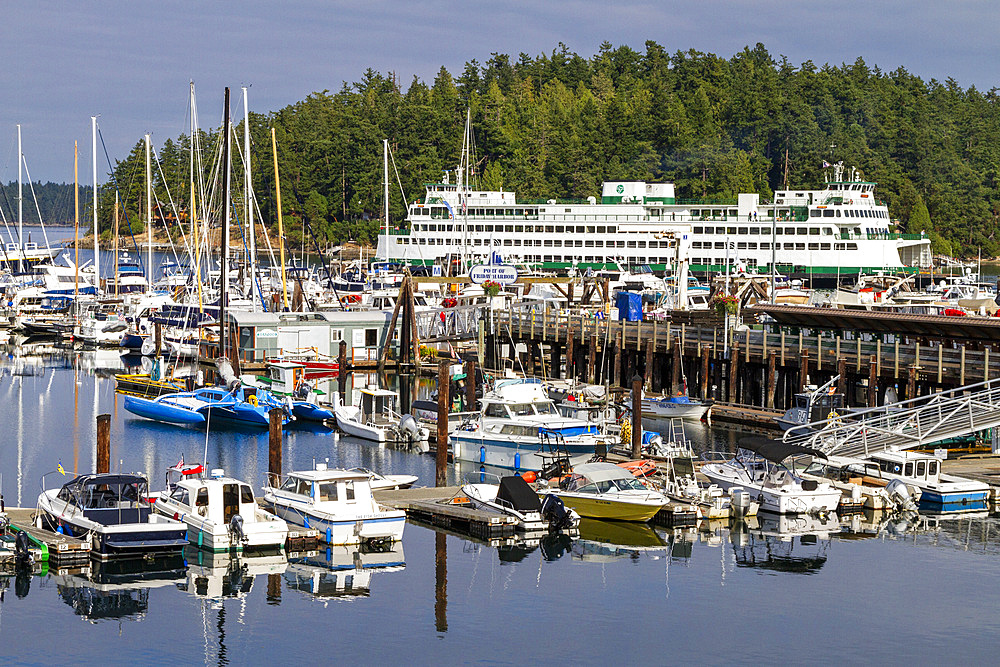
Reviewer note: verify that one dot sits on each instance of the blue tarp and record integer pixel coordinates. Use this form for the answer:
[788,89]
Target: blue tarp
[629,306]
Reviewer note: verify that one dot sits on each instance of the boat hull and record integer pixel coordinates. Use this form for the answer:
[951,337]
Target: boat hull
[162,412]
[386,525]
[617,510]
[668,409]
[799,502]
[472,446]
[311,412]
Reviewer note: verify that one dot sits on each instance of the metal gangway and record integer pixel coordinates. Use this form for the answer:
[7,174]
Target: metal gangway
[449,324]
[919,421]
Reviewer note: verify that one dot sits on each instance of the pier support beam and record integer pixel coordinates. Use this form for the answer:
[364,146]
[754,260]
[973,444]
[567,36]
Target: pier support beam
[650,363]
[636,416]
[570,359]
[772,360]
[274,444]
[873,382]
[342,370]
[444,403]
[676,369]
[843,385]
[103,444]
[470,385]
[704,372]
[911,383]
[734,370]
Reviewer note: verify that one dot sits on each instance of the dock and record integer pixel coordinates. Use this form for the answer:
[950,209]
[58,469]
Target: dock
[429,504]
[47,546]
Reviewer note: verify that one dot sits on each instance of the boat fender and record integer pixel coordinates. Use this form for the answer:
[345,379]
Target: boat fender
[482,455]
[252,400]
[517,460]
[529,476]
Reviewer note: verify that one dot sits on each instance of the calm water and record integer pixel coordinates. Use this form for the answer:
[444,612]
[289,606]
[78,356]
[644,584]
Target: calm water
[794,591]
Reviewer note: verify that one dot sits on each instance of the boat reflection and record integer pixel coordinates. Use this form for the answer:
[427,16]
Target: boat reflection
[218,576]
[784,543]
[341,573]
[118,589]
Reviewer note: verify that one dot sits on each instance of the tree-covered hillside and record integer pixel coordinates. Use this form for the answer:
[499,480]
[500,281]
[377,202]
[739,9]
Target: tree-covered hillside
[558,124]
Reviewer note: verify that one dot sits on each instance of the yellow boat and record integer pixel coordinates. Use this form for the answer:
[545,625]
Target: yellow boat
[605,491]
[141,384]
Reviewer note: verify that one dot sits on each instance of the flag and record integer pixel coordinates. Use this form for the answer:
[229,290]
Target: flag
[181,462]
[826,164]
[60,468]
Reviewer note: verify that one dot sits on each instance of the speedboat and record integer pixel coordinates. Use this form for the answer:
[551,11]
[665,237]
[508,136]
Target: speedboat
[200,405]
[606,491]
[938,491]
[375,418]
[510,496]
[380,482]
[113,511]
[680,405]
[520,428]
[220,512]
[758,468]
[337,503]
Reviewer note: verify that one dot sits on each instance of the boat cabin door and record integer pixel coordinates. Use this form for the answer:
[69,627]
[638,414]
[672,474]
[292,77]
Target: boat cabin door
[230,501]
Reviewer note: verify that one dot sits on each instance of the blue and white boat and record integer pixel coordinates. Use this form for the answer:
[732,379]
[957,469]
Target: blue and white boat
[938,491]
[520,428]
[337,503]
[286,381]
[681,405]
[112,511]
[241,406]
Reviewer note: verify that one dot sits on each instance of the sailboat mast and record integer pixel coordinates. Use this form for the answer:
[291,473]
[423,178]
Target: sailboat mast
[97,236]
[385,172]
[193,212]
[76,225]
[224,274]
[20,196]
[248,190]
[149,220]
[281,229]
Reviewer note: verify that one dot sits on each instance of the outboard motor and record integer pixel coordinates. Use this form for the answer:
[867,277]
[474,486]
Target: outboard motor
[236,528]
[302,391]
[899,493]
[408,425]
[555,512]
[22,550]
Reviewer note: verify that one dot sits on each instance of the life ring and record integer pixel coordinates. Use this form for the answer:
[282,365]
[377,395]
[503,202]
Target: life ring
[252,400]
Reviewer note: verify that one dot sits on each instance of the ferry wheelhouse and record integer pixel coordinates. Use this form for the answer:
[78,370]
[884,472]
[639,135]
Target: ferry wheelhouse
[839,229]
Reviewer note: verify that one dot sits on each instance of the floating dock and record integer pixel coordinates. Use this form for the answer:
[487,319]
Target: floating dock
[429,504]
[47,546]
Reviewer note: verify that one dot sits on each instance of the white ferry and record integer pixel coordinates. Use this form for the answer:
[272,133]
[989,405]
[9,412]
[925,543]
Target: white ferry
[840,229]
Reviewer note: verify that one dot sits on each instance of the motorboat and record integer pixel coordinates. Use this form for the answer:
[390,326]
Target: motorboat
[287,380]
[509,496]
[681,405]
[864,482]
[816,404]
[220,512]
[376,418]
[606,491]
[520,428]
[200,405]
[938,491]
[758,468]
[114,512]
[380,482]
[337,503]
[682,485]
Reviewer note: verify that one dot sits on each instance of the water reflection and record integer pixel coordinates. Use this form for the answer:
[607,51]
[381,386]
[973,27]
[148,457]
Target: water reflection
[341,573]
[218,576]
[118,589]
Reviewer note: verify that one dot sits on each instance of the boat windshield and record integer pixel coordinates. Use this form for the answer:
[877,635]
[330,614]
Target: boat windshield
[526,409]
[581,484]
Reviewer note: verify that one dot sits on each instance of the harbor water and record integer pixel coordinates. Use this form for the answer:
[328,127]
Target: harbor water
[855,591]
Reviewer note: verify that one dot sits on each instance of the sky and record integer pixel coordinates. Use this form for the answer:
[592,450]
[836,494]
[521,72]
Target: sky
[130,63]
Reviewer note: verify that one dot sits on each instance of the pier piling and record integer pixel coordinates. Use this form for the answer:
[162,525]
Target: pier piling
[470,385]
[342,369]
[444,403]
[274,443]
[103,443]
[636,416]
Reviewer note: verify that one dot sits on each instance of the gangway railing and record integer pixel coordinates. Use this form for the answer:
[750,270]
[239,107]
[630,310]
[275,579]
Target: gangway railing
[919,421]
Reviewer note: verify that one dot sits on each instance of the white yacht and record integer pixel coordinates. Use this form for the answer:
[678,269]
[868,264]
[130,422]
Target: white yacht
[520,428]
[758,469]
[220,512]
[938,491]
[841,228]
[337,503]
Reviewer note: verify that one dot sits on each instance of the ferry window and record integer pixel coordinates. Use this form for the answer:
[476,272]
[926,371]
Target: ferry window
[852,246]
[932,469]
[547,243]
[752,245]
[754,230]
[560,229]
[814,246]
[642,244]
[479,228]
[779,231]
[518,229]
[202,500]
[490,211]
[814,213]
[602,230]
[328,491]
[800,246]
[620,244]
[908,470]
[814,231]
[838,212]
[349,491]
[731,230]
[765,246]
[507,242]
[824,246]
[744,230]
[789,246]
[828,213]
[742,245]
[720,244]
[699,230]
[551,229]
[921,468]
[591,229]
[802,231]
[246,495]
[508,228]
[588,243]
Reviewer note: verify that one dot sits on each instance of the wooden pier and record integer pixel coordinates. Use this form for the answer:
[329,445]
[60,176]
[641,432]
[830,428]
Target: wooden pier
[430,505]
[55,548]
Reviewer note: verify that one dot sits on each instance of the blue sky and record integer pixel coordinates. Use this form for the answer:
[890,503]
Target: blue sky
[130,62]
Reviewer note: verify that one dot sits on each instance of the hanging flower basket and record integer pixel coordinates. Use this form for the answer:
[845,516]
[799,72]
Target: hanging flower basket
[724,304]
[491,288]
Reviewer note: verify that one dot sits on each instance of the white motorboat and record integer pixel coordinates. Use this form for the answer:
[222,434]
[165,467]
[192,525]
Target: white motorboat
[520,428]
[112,511]
[816,404]
[375,418]
[757,468]
[220,512]
[337,503]
[510,496]
[863,481]
[380,482]
[938,491]
[681,406]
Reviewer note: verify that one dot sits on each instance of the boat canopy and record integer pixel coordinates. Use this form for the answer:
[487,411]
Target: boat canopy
[776,451]
[600,472]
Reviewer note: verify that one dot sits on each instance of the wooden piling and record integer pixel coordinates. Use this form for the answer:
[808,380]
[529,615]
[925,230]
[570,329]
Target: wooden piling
[274,443]
[103,444]
[911,383]
[675,370]
[444,403]
[650,363]
[705,351]
[342,370]
[158,337]
[873,382]
[591,358]
[734,369]
[842,382]
[570,352]
[803,370]
[636,416]
[772,358]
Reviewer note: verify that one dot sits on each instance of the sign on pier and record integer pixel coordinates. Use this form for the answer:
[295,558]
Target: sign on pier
[498,273]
